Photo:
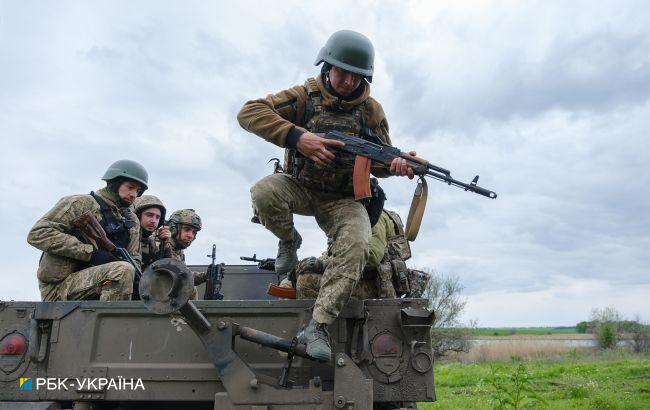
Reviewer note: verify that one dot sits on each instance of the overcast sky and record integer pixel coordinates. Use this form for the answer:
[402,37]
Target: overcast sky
[547,101]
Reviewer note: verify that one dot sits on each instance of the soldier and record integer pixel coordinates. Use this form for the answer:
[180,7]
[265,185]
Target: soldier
[315,182]
[183,226]
[151,214]
[73,268]
[385,274]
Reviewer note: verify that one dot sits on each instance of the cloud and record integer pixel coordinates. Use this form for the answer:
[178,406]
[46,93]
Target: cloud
[546,101]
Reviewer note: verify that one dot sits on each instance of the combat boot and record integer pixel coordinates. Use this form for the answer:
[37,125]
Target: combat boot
[317,340]
[288,254]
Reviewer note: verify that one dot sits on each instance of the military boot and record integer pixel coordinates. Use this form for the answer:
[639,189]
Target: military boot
[317,340]
[288,254]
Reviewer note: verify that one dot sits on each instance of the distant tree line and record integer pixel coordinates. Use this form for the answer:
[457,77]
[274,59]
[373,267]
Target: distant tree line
[607,325]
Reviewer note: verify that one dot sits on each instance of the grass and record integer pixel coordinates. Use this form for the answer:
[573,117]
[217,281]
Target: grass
[507,331]
[572,380]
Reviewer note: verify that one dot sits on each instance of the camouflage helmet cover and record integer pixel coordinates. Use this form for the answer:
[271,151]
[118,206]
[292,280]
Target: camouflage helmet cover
[149,201]
[350,51]
[185,217]
[125,168]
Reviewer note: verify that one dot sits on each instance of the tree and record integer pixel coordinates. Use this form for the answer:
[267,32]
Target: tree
[582,327]
[606,329]
[448,333]
[640,336]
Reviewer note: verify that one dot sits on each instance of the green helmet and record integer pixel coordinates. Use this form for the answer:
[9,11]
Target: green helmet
[186,217]
[125,168]
[149,201]
[350,51]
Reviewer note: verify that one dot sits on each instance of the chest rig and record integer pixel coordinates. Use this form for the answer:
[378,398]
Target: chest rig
[319,118]
[117,229]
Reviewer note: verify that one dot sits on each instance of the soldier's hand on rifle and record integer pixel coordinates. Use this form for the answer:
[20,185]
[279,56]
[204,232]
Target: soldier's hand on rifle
[164,233]
[315,148]
[101,256]
[400,168]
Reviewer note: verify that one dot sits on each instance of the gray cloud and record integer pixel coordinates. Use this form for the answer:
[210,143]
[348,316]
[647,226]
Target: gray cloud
[548,102]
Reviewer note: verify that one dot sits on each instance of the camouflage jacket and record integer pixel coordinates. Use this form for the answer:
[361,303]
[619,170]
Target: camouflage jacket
[176,252]
[65,250]
[151,249]
[273,117]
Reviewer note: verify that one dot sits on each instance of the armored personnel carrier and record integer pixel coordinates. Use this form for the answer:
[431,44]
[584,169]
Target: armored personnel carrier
[167,351]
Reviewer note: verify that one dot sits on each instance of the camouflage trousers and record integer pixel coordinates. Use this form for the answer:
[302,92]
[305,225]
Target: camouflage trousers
[345,222]
[308,286]
[111,281]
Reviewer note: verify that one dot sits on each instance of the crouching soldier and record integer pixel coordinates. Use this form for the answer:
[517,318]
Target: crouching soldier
[183,226]
[385,274]
[72,267]
[154,235]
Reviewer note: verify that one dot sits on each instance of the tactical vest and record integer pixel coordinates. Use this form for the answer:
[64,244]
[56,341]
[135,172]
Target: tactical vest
[320,119]
[117,230]
[148,248]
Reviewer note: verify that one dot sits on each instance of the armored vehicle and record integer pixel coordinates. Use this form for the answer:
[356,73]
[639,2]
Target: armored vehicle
[166,351]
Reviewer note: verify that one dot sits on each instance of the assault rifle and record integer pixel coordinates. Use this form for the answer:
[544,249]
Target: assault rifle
[266,264]
[91,228]
[215,277]
[371,149]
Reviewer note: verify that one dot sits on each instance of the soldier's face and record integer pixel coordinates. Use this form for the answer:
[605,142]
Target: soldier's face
[344,82]
[187,234]
[149,219]
[128,191]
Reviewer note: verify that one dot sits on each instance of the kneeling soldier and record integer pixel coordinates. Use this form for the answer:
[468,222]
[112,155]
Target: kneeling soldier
[72,267]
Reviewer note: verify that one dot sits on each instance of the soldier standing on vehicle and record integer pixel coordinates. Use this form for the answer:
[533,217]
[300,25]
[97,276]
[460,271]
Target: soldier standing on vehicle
[184,225]
[72,267]
[314,182]
[153,233]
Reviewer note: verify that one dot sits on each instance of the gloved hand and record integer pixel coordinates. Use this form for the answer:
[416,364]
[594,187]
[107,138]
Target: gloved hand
[101,256]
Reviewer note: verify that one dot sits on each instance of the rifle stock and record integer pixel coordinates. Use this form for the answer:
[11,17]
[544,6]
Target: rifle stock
[281,292]
[88,224]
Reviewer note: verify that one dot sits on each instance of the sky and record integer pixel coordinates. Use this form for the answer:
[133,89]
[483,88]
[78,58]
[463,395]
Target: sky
[548,101]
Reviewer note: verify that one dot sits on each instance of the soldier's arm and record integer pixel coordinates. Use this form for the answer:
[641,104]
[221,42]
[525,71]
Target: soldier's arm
[276,116]
[199,277]
[135,247]
[53,232]
[378,243]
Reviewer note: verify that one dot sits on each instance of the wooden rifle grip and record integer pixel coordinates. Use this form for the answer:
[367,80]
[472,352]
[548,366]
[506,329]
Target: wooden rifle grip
[281,292]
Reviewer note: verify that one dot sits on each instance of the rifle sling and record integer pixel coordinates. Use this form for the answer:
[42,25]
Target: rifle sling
[417,210]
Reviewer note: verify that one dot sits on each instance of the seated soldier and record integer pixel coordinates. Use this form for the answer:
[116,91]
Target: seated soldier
[385,275]
[151,214]
[72,267]
[183,227]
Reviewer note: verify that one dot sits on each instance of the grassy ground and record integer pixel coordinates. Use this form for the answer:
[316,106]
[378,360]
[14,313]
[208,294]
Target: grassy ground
[605,380]
[506,331]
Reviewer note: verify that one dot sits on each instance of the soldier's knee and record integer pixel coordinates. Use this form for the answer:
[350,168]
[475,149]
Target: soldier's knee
[265,193]
[125,271]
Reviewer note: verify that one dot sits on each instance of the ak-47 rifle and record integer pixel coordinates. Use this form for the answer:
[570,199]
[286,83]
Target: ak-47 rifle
[91,228]
[371,149]
[266,264]
[214,280]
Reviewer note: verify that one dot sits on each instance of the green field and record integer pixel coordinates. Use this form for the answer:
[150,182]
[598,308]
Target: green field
[607,380]
[507,331]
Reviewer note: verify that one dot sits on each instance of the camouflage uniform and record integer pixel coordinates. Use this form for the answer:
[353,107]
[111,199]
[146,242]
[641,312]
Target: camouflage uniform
[309,271]
[388,249]
[63,272]
[305,189]
[174,248]
[149,244]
